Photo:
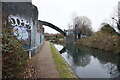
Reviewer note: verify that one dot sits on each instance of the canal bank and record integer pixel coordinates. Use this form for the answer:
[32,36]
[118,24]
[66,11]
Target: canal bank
[84,61]
[102,40]
[61,65]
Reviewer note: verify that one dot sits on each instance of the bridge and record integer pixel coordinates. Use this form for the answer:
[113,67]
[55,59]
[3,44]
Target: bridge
[53,27]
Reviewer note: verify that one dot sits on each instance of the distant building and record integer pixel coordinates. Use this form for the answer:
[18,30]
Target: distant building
[48,36]
[70,37]
[74,34]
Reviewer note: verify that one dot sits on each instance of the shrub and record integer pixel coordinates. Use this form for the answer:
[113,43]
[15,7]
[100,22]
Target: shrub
[13,55]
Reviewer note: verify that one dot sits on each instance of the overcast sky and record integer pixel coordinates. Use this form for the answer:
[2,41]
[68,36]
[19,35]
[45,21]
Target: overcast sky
[60,12]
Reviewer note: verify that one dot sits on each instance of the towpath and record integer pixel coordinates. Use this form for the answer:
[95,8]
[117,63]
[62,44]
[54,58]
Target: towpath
[43,64]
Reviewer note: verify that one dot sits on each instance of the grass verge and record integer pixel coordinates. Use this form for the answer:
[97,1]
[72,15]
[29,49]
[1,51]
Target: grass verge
[62,67]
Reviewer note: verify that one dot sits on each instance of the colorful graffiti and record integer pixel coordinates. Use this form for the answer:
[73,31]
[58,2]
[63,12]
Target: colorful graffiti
[20,27]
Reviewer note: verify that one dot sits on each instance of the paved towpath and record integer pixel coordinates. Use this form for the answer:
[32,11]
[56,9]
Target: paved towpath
[44,64]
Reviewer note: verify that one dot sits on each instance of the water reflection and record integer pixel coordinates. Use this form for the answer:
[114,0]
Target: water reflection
[91,63]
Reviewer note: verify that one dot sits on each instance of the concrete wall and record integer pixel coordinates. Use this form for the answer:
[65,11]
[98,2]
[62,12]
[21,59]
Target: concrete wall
[24,18]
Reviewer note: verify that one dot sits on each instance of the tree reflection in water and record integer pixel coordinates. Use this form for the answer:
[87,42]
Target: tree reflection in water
[82,56]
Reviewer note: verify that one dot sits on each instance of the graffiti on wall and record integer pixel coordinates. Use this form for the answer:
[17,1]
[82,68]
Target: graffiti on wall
[20,27]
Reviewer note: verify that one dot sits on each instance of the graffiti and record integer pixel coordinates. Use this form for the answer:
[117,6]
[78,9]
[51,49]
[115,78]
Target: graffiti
[20,27]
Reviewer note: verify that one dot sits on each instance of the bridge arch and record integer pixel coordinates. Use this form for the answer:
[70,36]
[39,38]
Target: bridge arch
[53,27]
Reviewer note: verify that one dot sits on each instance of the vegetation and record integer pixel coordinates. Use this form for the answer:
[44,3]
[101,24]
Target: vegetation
[115,18]
[107,39]
[62,66]
[13,55]
[57,38]
[107,28]
[83,24]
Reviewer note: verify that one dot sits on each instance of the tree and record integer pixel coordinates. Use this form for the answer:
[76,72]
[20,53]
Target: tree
[109,29]
[116,18]
[83,24]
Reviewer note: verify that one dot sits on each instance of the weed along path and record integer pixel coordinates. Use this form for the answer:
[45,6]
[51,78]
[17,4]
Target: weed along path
[44,64]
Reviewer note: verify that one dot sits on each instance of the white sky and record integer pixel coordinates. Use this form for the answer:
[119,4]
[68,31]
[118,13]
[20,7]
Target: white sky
[60,12]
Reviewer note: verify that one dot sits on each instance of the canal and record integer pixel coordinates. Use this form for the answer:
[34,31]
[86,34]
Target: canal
[90,63]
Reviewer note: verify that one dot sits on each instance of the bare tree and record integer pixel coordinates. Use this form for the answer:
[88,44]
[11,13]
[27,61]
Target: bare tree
[83,24]
[115,19]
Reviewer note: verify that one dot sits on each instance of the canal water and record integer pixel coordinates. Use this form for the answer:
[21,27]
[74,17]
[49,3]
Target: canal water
[90,63]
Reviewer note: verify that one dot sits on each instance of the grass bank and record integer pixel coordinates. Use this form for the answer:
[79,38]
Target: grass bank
[62,67]
[102,40]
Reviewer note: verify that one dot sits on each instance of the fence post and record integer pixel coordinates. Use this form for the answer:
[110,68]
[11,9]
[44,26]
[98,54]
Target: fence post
[29,55]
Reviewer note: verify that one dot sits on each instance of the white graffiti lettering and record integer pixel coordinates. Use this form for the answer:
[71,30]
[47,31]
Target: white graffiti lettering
[20,27]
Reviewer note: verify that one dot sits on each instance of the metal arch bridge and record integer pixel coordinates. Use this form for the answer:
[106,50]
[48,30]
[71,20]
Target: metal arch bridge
[53,27]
